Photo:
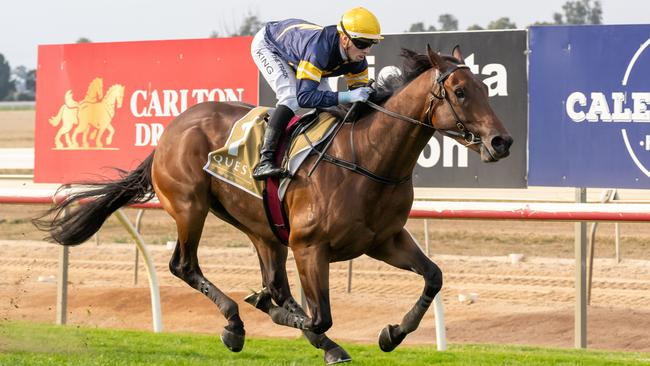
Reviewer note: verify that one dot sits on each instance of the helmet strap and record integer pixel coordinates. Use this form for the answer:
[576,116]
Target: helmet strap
[345,44]
[344,30]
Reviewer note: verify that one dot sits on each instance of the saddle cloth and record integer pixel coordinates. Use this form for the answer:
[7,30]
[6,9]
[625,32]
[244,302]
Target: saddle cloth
[234,162]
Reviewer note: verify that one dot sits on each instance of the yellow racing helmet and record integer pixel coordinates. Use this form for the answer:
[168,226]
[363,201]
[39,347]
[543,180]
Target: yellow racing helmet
[361,26]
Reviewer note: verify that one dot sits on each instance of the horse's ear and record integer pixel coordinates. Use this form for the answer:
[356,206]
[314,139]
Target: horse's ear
[435,59]
[457,54]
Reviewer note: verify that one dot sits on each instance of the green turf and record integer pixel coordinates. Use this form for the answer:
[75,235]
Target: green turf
[41,344]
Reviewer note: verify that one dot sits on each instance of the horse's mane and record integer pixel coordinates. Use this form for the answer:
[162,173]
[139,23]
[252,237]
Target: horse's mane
[414,64]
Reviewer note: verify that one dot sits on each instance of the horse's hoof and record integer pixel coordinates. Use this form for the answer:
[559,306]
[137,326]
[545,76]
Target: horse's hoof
[232,340]
[336,355]
[253,298]
[388,339]
[261,300]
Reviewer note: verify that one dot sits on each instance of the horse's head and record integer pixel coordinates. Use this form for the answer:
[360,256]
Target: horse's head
[460,107]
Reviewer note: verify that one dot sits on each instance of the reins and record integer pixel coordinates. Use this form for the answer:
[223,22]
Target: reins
[351,165]
[397,115]
[462,132]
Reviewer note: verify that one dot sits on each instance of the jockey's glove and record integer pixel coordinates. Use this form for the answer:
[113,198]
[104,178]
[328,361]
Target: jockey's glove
[356,95]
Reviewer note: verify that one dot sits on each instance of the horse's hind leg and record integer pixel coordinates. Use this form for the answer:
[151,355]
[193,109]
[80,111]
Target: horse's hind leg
[190,217]
[403,252]
[273,259]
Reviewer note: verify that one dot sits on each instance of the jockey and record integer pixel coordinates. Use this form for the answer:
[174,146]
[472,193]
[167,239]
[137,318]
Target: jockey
[296,58]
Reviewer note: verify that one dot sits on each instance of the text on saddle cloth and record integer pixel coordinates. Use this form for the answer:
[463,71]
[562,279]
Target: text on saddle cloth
[233,163]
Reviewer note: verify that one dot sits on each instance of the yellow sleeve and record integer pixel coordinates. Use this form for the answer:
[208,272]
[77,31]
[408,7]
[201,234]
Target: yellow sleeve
[307,70]
[354,80]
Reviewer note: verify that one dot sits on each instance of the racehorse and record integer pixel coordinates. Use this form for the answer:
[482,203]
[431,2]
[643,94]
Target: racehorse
[335,213]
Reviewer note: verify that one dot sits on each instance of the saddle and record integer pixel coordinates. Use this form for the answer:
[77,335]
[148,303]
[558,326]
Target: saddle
[233,163]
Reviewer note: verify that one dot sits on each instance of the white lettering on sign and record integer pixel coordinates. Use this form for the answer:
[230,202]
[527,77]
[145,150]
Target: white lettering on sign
[171,103]
[148,134]
[450,147]
[497,80]
[616,107]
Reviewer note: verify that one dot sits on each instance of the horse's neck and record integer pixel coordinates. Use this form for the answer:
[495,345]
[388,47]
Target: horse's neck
[392,145]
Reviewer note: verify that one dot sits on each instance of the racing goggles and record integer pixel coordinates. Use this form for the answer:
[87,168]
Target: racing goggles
[363,43]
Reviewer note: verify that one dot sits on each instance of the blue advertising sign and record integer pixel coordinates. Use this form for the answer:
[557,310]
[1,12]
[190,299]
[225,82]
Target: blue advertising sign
[589,111]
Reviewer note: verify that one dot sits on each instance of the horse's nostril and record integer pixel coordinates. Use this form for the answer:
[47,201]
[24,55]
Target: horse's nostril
[508,140]
[501,144]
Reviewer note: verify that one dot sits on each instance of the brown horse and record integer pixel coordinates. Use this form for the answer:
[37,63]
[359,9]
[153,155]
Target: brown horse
[335,214]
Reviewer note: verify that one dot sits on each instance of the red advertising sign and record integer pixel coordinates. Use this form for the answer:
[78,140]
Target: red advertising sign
[102,105]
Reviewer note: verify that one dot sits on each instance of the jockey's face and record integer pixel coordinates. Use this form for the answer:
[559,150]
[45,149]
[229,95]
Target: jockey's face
[354,53]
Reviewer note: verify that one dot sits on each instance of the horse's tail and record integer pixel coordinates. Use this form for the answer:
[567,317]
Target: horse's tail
[88,209]
[71,103]
[55,120]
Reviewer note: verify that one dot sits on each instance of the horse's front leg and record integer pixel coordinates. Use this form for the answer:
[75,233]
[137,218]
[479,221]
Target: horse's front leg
[273,258]
[313,266]
[403,252]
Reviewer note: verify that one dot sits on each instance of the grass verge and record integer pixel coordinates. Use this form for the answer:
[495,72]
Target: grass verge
[24,343]
[16,107]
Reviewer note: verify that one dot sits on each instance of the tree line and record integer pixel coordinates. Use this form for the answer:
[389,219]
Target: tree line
[573,12]
[19,83]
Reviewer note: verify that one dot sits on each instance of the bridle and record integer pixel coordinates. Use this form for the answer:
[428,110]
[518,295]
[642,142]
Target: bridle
[463,132]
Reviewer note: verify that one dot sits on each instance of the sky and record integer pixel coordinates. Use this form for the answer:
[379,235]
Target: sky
[24,24]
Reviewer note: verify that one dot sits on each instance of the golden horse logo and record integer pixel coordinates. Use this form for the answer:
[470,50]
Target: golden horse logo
[92,114]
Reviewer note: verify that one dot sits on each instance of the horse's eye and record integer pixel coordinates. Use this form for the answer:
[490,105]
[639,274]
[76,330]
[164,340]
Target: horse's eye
[460,94]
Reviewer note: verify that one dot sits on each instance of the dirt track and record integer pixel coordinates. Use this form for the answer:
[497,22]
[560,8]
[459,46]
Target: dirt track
[528,303]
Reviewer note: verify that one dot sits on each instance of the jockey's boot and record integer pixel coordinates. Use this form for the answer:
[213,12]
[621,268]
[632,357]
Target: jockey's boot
[277,123]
